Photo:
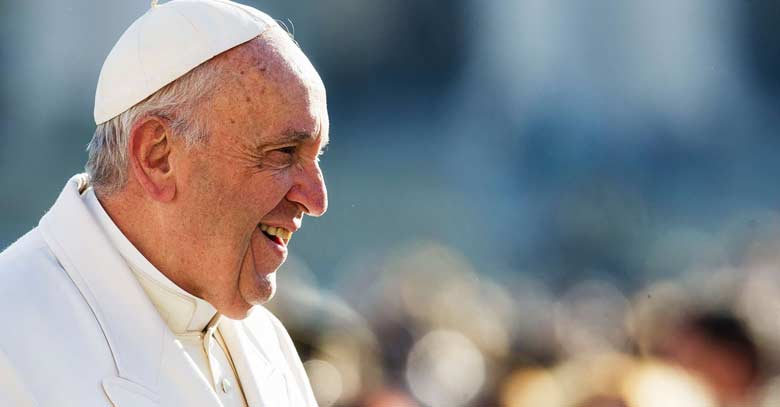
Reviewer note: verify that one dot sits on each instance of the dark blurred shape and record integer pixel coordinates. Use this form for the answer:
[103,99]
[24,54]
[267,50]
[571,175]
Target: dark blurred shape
[717,347]
[762,43]
[603,401]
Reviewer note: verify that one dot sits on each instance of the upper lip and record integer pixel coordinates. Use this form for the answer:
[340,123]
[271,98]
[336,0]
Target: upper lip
[291,228]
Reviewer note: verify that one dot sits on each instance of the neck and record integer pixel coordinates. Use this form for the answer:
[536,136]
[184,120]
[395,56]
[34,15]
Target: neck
[142,224]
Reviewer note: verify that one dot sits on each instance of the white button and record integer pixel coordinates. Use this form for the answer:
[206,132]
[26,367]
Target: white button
[226,386]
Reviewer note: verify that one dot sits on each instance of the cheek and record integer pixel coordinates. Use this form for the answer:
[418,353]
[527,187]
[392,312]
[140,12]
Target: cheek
[267,193]
[238,201]
[244,202]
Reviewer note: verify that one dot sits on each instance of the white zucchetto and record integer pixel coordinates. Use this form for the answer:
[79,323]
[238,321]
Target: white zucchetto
[165,43]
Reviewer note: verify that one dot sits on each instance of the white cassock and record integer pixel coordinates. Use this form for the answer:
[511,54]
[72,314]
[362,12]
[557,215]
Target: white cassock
[88,321]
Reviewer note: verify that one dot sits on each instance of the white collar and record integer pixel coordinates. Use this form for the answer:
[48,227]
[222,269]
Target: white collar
[181,311]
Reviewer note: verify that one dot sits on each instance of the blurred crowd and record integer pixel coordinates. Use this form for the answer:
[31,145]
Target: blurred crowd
[532,202]
[421,326]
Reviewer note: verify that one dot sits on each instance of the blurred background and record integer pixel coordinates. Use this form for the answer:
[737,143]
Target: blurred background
[532,202]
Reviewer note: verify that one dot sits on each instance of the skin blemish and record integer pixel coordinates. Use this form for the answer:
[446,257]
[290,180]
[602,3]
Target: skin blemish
[241,72]
[248,99]
[232,121]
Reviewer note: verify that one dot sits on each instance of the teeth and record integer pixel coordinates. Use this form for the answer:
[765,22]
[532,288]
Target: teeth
[276,231]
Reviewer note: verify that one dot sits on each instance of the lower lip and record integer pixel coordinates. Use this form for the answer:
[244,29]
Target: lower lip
[277,245]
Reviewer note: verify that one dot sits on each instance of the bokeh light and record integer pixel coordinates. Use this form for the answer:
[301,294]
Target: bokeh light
[445,369]
[530,201]
[325,380]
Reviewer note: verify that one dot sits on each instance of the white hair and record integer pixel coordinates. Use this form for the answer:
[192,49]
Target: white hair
[107,164]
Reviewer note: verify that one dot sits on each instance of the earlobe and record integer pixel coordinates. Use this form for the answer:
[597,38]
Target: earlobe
[150,150]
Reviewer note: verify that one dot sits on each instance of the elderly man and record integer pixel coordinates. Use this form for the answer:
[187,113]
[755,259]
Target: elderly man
[141,286]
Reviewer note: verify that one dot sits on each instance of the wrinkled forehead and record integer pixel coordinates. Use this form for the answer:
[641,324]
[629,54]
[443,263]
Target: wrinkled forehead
[270,84]
[279,59]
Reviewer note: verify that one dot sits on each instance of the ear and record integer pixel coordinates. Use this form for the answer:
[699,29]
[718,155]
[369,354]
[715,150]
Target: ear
[150,149]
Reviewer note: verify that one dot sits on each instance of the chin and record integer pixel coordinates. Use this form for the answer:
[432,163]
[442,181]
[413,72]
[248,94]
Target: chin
[256,284]
[258,296]
[262,290]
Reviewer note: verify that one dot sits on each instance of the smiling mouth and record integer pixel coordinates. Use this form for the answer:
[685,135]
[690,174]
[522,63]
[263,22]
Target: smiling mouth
[277,234]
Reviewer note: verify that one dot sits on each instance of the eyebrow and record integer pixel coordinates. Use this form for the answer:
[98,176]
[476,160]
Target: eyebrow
[294,136]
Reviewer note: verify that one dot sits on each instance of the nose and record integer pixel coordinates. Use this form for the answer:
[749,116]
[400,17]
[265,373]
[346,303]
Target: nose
[309,190]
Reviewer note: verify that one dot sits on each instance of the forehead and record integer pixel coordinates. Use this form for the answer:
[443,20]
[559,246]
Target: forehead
[271,90]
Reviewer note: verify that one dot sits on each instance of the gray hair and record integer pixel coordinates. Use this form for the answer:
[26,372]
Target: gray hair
[107,164]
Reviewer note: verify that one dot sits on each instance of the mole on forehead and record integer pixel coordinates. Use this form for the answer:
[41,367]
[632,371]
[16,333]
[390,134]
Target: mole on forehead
[262,52]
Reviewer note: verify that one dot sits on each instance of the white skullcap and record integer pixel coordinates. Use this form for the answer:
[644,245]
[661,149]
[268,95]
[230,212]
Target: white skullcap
[165,43]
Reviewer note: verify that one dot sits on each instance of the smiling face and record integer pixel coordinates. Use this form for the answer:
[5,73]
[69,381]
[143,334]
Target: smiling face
[242,193]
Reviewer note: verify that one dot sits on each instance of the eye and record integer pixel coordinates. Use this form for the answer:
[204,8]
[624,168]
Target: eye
[287,150]
[279,157]
[282,153]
